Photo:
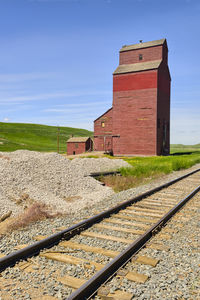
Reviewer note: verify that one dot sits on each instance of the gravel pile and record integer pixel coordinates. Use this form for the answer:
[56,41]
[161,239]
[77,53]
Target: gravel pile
[52,179]
[175,276]
[164,280]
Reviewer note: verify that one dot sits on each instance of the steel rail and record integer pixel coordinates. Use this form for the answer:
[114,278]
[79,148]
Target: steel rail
[31,250]
[91,286]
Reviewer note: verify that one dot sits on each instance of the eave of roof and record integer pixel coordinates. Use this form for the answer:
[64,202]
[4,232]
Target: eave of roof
[78,139]
[129,68]
[143,45]
[103,114]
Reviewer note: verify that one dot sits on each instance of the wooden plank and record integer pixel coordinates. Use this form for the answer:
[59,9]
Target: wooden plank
[22,265]
[137,224]
[136,277]
[44,298]
[121,229]
[27,266]
[146,260]
[117,295]
[156,204]
[136,218]
[71,260]
[148,210]
[164,194]
[137,213]
[163,236]
[39,237]
[169,199]
[169,192]
[141,215]
[106,237]
[156,246]
[71,282]
[156,207]
[144,212]
[169,230]
[103,291]
[18,247]
[160,201]
[92,249]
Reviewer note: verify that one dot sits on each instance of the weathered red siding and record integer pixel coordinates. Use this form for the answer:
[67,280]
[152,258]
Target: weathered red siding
[134,122]
[148,54]
[139,122]
[75,148]
[135,81]
[103,135]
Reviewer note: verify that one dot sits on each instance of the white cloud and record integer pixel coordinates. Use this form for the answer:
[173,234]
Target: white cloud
[4,100]
[10,78]
[5,120]
[75,107]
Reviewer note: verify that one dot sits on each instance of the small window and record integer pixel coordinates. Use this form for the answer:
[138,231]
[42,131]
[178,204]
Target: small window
[140,57]
[76,145]
[102,124]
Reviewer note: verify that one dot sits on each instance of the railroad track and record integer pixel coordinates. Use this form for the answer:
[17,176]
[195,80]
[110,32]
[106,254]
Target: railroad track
[95,249]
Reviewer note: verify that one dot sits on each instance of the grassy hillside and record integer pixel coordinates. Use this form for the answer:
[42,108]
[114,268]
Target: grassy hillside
[174,148]
[14,136]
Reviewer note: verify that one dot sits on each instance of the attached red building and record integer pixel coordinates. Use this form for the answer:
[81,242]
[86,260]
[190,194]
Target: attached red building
[138,122]
[78,145]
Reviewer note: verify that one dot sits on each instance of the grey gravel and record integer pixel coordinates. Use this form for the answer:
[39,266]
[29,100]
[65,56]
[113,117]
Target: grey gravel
[49,226]
[51,178]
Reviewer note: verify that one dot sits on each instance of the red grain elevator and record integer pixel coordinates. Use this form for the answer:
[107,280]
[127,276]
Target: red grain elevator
[139,121]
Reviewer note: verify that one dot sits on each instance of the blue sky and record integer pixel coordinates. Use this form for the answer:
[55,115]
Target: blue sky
[57,58]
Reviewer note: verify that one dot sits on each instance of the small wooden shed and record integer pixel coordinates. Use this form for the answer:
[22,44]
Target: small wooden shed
[78,145]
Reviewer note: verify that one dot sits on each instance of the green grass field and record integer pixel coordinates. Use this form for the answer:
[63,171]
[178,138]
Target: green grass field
[145,169]
[14,136]
[160,164]
[179,148]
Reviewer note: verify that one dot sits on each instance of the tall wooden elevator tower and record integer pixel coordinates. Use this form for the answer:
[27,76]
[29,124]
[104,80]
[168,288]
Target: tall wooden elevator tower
[139,121]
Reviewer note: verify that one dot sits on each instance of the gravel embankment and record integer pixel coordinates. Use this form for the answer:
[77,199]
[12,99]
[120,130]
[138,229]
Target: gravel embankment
[97,205]
[52,179]
[179,260]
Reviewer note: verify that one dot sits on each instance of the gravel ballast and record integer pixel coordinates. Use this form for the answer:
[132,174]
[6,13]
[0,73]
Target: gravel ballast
[50,287]
[52,179]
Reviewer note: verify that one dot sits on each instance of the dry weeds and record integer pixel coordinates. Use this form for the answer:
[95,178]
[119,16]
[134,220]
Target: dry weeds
[24,200]
[121,183]
[35,212]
